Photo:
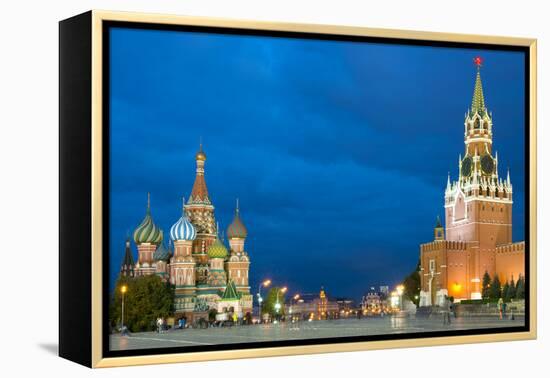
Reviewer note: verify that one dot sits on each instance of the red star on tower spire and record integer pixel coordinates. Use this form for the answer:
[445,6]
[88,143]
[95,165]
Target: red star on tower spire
[478,61]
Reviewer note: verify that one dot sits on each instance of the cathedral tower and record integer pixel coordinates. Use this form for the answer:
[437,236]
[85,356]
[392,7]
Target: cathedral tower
[238,263]
[200,211]
[147,237]
[182,264]
[127,266]
[217,253]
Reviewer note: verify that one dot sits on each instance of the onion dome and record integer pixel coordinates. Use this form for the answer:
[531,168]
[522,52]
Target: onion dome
[236,229]
[200,155]
[183,229]
[162,253]
[147,231]
[217,250]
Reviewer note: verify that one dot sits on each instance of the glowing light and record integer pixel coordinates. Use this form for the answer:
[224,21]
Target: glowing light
[478,61]
[123,289]
[400,289]
[284,289]
[457,287]
[266,283]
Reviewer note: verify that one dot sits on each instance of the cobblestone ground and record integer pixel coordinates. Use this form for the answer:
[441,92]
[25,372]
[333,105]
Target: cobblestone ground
[303,330]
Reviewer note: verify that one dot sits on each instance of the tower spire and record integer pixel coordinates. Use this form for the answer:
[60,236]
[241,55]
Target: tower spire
[148,202]
[478,100]
[199,193]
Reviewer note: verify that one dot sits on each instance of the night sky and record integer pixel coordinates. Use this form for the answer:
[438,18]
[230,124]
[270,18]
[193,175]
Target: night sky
[337,151]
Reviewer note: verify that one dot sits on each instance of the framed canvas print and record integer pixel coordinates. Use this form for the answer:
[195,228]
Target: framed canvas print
[235,189]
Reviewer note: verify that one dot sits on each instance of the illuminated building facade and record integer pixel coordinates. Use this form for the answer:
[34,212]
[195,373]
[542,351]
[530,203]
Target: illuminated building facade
[477,236]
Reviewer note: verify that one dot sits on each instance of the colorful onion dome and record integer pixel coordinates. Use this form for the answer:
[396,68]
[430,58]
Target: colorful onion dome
[162,253]
[147,231]
[183,229]
[237,229]
[217,250]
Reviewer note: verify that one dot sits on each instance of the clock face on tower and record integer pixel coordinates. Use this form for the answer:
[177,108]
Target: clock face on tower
[487,164]
[467,166]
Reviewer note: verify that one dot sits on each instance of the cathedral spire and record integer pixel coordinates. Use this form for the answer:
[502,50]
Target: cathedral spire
[199,193]
[478,100]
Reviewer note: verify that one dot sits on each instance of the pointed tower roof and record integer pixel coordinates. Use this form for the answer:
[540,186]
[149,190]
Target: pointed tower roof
[128,257]
[230,293]
[478,100]
[162,253]
[199,193]
[237,229]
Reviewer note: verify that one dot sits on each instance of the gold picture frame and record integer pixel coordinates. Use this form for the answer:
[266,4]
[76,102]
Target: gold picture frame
[92,25]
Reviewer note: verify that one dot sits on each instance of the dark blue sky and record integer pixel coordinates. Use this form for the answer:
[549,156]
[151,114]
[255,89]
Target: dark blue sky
[338,151]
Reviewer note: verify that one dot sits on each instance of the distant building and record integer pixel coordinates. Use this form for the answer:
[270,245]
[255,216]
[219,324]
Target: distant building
[371,301]
[313,306]
[345,304]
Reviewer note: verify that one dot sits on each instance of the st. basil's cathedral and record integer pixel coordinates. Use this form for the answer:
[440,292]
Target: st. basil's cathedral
[196,262]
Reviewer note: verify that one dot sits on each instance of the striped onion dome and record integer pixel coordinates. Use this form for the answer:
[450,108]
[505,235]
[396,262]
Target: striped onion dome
[162,253]
[237,229]
[183,229]
[148,231]
[217,250]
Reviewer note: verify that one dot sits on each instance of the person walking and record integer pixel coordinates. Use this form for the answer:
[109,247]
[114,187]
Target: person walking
[500,302]
[159,324]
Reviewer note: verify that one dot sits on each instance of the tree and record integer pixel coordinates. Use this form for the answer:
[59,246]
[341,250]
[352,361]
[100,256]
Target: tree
[146,299]
[486,285]
[512,289]
[506,291]
[269,305]
[412,285]
[520,288]
[495,289]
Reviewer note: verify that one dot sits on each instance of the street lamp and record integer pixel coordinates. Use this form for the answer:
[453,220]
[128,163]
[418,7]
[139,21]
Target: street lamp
[264,283]
[294,300]
[123,290]
[277,304]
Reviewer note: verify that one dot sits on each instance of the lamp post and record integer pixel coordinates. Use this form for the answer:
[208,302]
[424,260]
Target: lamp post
[123,290]
[278,304]
[292,301]
[264,283]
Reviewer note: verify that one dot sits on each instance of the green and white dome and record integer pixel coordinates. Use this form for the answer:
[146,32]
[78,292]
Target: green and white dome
[148,231]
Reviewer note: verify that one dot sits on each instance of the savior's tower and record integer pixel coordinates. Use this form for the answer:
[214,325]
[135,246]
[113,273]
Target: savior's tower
[478,206]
